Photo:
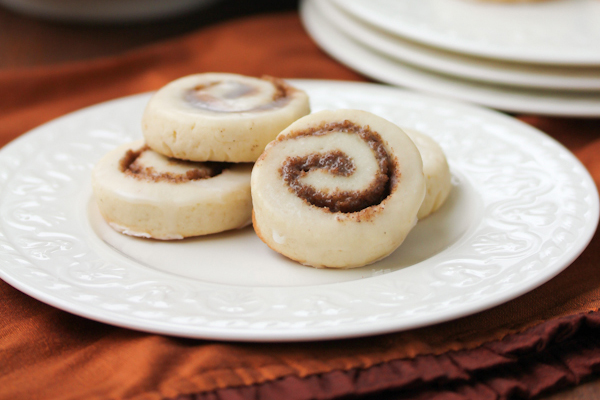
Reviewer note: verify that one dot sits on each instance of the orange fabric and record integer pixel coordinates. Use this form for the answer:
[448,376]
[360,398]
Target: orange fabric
[46,353]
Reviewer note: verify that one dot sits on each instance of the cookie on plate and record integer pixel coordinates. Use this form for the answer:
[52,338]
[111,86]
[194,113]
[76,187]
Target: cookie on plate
[436,170]
[337,189]
[220,116]
[142,193]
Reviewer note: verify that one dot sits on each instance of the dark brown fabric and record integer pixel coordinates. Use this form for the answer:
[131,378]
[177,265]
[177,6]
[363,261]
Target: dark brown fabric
[550,356]
[50,354]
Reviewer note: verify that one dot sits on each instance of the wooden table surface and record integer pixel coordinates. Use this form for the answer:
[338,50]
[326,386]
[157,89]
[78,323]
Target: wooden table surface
[28,42]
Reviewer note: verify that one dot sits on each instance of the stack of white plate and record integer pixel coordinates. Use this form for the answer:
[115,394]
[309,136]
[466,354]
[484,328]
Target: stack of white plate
[535,57]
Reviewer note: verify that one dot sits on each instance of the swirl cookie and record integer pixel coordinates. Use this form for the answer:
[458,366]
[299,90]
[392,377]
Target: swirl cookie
[337,189]
[220,117]
[436,170]
[142,193]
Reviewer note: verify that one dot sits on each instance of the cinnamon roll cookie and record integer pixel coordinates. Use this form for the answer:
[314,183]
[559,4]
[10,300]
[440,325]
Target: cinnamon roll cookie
[337,189]
[220,116]
[436,171]
[142,193]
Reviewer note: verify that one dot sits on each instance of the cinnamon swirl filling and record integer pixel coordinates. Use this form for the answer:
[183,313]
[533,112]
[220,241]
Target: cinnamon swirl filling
[144,164]
[337,163]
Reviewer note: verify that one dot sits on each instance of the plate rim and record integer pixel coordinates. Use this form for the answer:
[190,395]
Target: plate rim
[440,41]
[462,66]
[384,69]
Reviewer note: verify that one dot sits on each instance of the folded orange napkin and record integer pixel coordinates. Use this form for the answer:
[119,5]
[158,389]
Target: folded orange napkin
[540,341]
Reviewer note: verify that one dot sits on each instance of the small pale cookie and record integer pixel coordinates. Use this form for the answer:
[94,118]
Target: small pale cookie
[436,170]
[337,189]
[220,117]
[142,193]
[511,1]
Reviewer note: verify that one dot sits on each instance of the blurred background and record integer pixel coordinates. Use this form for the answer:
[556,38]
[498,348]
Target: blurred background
[32,34]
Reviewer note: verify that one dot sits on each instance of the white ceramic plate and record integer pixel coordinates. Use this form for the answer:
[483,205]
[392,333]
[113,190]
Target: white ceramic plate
[475,68]
[388,70]
[522,208]
[549,32]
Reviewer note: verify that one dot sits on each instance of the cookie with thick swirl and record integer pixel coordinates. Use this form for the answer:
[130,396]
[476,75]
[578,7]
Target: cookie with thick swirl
[337,189]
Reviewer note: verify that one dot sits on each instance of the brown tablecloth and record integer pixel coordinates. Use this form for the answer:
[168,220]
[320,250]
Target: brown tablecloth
[541,341]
